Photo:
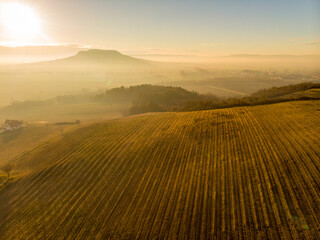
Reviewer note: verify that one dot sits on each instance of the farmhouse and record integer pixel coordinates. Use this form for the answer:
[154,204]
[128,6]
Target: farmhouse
[10,125]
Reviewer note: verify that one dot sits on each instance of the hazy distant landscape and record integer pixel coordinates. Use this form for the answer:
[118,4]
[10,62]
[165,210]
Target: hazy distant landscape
[69,88]
[95,70]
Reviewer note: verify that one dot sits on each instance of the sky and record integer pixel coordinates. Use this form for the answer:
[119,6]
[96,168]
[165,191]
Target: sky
[190,28]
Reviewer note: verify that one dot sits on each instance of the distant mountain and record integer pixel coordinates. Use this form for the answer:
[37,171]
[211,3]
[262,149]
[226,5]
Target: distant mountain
[93,59]
[96,56]
[258,56]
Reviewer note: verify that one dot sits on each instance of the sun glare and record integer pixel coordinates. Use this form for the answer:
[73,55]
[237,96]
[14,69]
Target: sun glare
[19,21]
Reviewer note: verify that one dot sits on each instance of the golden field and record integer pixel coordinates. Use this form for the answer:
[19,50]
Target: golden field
[236,173]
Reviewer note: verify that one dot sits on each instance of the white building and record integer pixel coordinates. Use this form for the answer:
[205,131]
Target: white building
[11,125]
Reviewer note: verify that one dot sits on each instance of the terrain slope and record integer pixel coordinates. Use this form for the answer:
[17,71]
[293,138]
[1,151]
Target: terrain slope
[241,173]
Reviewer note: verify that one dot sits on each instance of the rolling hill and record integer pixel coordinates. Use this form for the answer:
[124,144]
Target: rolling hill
[237,173]
[144,98]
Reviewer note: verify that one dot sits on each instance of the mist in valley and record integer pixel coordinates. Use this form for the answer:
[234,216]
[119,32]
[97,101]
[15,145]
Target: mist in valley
[31,91]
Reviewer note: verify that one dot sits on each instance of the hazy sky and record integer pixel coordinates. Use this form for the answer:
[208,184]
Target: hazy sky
[179,27]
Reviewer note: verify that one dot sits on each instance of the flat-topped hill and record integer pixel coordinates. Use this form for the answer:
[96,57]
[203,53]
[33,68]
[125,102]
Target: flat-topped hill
[88,60]
[105,56]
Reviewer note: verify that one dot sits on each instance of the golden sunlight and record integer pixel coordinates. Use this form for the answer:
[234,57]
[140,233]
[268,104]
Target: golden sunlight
[20,21]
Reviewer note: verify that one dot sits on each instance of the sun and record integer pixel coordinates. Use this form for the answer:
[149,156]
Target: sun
[19,21]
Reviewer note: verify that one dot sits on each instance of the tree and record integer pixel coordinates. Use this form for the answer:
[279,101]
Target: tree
[7,168]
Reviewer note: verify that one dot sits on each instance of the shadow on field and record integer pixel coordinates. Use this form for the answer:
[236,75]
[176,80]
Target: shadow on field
[11,135]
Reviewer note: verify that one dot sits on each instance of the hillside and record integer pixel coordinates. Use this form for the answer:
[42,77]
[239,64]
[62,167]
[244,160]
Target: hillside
[240,173]
[293,92]
[150,98]
[110,104]
[145,98]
